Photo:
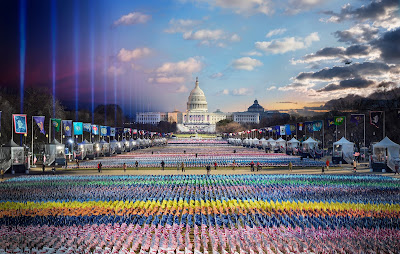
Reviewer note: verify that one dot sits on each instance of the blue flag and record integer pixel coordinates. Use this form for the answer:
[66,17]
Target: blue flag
[278,130]
[95,129]
[317,125]
[288,129]
[20,125]
[67,125]
[309,126]
[40,123]
[104,131]
[87,127]
[78,128]
[112,132]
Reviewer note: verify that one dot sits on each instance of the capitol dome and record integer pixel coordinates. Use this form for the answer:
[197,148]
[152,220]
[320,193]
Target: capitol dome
[197,100]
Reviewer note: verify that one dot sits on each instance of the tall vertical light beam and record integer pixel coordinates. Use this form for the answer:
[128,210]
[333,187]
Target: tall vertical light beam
[76,48]
[92,67]
[22,52]
[53,51]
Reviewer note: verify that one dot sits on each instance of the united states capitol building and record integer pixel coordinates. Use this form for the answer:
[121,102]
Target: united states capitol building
[197,119]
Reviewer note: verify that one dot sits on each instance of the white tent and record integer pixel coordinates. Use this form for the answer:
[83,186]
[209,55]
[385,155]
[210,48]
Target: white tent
[386,147]
[261,142]
[344,148]
[310,144]
[280,143]
[293,143]
[270,142]
[254,142]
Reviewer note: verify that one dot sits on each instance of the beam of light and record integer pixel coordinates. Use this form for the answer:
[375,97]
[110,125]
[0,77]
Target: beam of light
[92,57]
[115,93]
[53,51]
[76,49]
[105,70]
[22,51]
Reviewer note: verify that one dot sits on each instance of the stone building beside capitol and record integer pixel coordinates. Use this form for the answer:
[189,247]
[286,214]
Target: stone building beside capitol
[197,119]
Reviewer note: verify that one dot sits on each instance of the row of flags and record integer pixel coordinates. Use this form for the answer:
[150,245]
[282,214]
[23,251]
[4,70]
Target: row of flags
[376,118]
[71,128]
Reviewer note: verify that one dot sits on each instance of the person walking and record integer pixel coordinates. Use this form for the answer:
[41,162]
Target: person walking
[183,167]
[124,167]
[98,167]
[101,165]
[208,168]
[290,166]
[323,169]
[258,166]
[162,164]
[252,166]
[77,163]
[43,167]
[53,170]
[355,166]
[215,165]
[137,165]
[2,173]
[233,165]
[327,164]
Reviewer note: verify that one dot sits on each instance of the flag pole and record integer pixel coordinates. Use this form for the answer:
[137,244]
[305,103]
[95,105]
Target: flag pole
[32,141]
[345,123]
[323,135]
[364,130]
[61,132]
[383,124]
[49,130]
[12,129]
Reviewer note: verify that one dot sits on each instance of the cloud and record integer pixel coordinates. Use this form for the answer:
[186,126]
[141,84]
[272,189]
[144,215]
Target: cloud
[286,44]
[347,84]
[271,88]
[176,72]
[247,8]
[182,25]
[360,33]
[332,53]
[274,32]
[132,18]
[243,91]
[217,75]
[286,102]
[383,13]
[297,6]
[246,63]
[388,45]
[356,70]
[297,86]
[211,37]
[125,55]
[224,92]
[182,89]
[253,53]
[115,70]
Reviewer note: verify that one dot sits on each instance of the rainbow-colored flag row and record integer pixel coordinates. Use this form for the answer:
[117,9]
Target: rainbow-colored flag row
[200,214]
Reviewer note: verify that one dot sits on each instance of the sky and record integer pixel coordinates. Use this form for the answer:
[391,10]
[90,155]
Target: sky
[145,55]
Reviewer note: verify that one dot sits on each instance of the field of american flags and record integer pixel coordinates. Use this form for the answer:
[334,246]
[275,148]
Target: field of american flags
[200,214]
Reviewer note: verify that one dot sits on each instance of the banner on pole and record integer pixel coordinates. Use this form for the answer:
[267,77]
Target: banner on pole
[20,123]
[330,122]
[282,130]
[67,126]
[87,127]
[78,128]
[56,123]
[309,126]
[356,118]
[375,118]
[300,126]
[39,120]
[112,132]
[95,129]
[317,125]
[339,120]
[288,130]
